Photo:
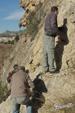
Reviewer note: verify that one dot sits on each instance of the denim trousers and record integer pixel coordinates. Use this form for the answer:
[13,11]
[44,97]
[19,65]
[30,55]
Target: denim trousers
[16,103]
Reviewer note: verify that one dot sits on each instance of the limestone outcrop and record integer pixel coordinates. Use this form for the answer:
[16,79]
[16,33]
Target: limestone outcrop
[58,91]
[29,6]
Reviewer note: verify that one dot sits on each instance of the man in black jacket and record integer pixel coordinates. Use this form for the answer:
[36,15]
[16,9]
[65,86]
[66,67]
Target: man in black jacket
[51,30]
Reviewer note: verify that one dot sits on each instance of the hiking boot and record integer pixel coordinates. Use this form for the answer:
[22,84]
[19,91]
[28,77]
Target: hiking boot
[57,69]
[44,72]
[53,72]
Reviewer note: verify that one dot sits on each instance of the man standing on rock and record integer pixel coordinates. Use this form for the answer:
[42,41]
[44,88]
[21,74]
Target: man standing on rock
[20,92]
[51,30]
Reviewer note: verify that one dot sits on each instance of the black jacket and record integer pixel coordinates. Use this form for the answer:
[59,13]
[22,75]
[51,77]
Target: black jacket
[51,27]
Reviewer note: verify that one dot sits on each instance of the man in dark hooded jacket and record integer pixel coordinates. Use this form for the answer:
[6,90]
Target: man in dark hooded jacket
[51,31]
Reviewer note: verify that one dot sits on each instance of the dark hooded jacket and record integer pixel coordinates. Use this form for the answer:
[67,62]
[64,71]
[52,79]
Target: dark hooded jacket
[51,27]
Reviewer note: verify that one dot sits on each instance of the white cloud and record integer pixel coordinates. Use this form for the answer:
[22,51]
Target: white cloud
[15,15]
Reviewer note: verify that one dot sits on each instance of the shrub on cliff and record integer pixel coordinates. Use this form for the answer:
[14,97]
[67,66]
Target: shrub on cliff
[32,26]
[4,92]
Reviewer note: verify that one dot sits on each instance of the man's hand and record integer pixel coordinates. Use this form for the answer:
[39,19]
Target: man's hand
[31,90]
[65,25]
[59,39]
[58,36]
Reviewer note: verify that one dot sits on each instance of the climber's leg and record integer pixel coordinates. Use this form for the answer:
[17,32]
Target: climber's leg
[15,106]
[50,50]
[45,56]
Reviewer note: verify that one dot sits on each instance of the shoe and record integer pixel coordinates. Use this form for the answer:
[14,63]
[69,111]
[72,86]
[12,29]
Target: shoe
[53,72]
[57,70]
[44,72]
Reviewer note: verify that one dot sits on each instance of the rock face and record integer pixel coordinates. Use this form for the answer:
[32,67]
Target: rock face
[4,52]
[57,92]
[29,6]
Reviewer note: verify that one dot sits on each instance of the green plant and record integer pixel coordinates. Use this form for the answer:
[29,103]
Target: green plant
[73,66]
[10,42]
[4,92]
[32,26]
[17,38]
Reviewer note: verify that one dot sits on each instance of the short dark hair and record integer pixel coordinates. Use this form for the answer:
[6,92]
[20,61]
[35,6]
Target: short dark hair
[22,68]
[54,8]
[15,66]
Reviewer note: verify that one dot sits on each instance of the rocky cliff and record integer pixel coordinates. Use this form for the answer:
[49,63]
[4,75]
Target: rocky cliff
[29,6]
[5,51]
[57,92]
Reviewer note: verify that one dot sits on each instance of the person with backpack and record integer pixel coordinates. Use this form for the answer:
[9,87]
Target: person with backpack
[21,84]
[16,69]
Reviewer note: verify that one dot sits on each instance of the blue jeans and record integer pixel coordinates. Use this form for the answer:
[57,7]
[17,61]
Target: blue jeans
[16,103]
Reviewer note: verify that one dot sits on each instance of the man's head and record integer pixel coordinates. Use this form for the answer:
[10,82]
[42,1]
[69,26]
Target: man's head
[54,9]
[16,67]
[22,68]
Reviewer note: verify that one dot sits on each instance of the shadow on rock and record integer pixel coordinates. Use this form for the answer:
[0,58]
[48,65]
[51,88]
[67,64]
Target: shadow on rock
[59,49]
[38,99]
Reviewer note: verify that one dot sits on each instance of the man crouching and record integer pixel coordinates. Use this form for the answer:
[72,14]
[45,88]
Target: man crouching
[20,93]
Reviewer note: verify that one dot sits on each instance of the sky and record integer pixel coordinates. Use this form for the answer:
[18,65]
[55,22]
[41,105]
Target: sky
[10,15]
